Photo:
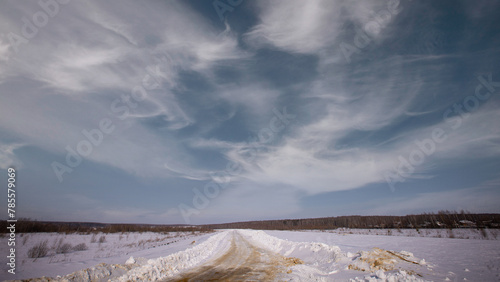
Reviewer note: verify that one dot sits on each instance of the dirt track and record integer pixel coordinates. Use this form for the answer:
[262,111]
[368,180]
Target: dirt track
[242,262]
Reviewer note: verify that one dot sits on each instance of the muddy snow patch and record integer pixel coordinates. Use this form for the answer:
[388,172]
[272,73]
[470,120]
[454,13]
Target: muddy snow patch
[379,261]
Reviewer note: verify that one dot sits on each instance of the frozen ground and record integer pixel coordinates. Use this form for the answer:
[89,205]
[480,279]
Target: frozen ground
[264,255]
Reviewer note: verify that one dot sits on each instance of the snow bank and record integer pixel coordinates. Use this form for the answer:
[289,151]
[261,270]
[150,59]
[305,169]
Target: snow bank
[319,254]
[326,262]
[101,272]
[400,276]
[164,267]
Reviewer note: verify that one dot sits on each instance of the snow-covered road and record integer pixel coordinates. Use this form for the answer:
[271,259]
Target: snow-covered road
[242,262]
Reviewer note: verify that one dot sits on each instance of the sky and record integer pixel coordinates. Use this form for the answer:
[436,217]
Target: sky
[193,112]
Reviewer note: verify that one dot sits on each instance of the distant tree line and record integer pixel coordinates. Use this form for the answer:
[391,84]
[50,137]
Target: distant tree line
[442,219]
[31,226]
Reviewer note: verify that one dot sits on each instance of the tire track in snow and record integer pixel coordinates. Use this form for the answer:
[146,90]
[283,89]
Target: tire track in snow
[242,262]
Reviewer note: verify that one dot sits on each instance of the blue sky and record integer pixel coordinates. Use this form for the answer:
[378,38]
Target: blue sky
[205,112]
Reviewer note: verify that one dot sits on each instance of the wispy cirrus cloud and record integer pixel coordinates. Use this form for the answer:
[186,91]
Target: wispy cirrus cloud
[97,67]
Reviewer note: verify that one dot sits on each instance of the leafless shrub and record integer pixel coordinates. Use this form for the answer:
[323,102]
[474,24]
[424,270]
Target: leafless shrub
[141,243]
[451,234]
[93,239]
[483,233]
[131,245]
[25,239]
[80,247]
[57,243]
[39,250]
[64,248]
[102,239]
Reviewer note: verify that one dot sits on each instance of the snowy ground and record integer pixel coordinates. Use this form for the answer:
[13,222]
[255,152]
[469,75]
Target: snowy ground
[293,255]
[459,233]
[447,258]
[115,249]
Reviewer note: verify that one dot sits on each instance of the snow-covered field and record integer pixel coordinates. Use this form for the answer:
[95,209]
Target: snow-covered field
[459,233]
[447,259]
[116,248]
[317,256]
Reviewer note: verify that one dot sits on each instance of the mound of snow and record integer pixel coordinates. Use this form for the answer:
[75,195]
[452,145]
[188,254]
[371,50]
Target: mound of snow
[164,267]
[378,261]
[321,255]
[131,260]
[400,276]
[324,262]
[100,272]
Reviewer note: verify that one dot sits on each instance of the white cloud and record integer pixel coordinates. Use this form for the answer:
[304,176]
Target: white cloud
[297,26]
[308,162]
[315,158]
[8,157]
[4,51]
[312,26]
[93,53]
